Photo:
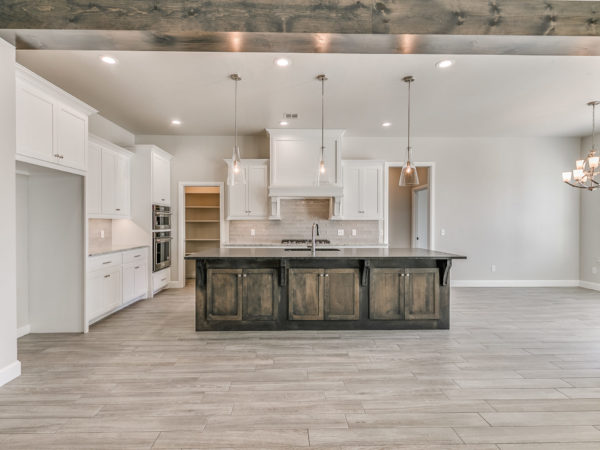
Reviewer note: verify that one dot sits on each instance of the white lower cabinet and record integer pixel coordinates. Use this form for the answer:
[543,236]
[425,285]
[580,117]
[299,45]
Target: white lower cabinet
[114,280]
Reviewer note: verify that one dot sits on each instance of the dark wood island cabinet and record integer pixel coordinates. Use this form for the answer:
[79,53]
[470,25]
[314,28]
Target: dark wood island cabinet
[282,289]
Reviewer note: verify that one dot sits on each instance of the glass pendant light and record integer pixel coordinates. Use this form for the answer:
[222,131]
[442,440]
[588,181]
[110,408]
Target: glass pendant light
[409,175]
[235,174]
[322,78]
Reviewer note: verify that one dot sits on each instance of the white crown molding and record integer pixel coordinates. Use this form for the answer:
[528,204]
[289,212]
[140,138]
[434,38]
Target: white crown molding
[10,372]
[92,138]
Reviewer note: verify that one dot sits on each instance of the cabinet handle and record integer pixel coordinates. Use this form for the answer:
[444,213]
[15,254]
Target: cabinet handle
[62,156]
[321,275]
[117,209]
[401,274]
[244,275]
[106,276]
[162,199]
[137,267]
[56,155]
[361,212]
[163,279]
[326,275]
[106,262]
[137,256]
[408,274]
[239,275]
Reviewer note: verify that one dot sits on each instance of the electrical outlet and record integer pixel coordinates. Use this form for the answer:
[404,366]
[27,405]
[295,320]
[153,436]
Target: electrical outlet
[101,234]
[354,233]
[443,232]
[252,232]
[493,268]
[340,232]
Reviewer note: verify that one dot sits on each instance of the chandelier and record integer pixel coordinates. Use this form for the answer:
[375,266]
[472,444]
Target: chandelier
[586,169]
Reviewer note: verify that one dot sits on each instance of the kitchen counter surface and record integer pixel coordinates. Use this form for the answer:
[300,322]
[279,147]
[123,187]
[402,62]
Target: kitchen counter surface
[113,249]
[326,253]
[297,246]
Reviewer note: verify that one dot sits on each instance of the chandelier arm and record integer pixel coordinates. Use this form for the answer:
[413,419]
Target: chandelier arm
[576,186]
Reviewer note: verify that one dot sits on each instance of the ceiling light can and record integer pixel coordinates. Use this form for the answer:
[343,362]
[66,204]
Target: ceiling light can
[282,62]
[444,63]
[108,59]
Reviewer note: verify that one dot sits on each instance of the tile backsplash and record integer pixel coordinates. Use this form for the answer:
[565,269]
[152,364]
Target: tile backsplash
[297,217]
[95,226]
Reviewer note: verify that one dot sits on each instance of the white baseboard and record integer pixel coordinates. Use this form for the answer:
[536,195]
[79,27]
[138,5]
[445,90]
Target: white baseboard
[589,285]
[24,330]
[10,372]
[515,283]
[175,285]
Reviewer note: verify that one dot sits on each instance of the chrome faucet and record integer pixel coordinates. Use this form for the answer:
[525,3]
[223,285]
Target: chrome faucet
[315,226]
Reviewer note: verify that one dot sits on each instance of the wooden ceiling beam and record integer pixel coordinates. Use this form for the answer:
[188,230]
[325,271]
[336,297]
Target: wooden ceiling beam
[368,26]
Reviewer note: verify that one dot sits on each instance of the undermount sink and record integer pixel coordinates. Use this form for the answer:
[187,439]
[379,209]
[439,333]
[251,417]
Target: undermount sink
[308,249]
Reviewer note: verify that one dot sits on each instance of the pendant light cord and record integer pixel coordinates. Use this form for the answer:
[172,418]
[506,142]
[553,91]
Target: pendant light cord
[322,116]
[593,126]
[408,130]
[235,113]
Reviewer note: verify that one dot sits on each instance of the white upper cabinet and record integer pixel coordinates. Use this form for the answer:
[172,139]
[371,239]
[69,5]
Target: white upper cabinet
[161,180]
[35,119]
[52,125]
[71,137]
[249,200]
[108,180]
[363,190]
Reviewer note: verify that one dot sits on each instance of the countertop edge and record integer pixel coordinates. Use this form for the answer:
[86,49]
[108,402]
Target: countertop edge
[116,250]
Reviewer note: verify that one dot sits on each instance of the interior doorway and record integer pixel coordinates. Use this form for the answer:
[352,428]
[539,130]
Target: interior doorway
[409,215]
[201,224]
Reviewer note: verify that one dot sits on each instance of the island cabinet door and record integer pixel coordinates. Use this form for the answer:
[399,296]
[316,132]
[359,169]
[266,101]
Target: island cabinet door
[305,294]
[386,294]
[341,294]
[224,294]
[422,298]
[260,294]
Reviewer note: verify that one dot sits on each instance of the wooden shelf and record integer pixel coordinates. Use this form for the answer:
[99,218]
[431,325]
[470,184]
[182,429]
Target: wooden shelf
[203,221]
[204,207]
[195,240]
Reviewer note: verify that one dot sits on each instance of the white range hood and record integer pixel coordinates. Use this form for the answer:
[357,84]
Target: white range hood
[294,161]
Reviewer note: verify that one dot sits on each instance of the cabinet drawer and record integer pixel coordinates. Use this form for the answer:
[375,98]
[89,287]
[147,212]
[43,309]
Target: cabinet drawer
[104,261]
[160,279]
[136,255]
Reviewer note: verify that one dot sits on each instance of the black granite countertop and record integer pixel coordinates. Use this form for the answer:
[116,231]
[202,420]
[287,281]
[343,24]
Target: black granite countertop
[326,252]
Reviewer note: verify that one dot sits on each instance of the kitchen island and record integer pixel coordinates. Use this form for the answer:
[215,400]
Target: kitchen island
[336,289]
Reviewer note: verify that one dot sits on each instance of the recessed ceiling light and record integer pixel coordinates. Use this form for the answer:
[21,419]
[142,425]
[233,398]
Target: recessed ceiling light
[283,123]
[444,63]
[386,124]
[175,122]
[282,62]
[109,59]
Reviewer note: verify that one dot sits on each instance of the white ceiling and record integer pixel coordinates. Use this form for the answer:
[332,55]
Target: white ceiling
[478,96]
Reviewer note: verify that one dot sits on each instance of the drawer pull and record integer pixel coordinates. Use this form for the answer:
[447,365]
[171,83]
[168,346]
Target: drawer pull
[117,209]
[136,267]
[137,256]
[244,275]
[106,262]
[326,275]
[163,279]
[107,276]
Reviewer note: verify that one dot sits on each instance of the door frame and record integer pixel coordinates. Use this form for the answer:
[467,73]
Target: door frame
[386,195]
[180,282]
[413,233]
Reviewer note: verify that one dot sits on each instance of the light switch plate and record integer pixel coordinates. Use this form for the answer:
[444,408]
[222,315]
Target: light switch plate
[101,234]
[443,232]
[354,232]
[252,232]
[340,232]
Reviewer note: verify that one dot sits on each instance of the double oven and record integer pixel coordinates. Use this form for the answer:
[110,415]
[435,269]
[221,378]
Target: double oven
[161,237]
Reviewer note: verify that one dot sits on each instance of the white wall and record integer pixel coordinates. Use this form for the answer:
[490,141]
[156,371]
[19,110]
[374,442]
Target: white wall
[200,158]
[22,252]
[500,200]
[104,128]
[589,248]
[10,367]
